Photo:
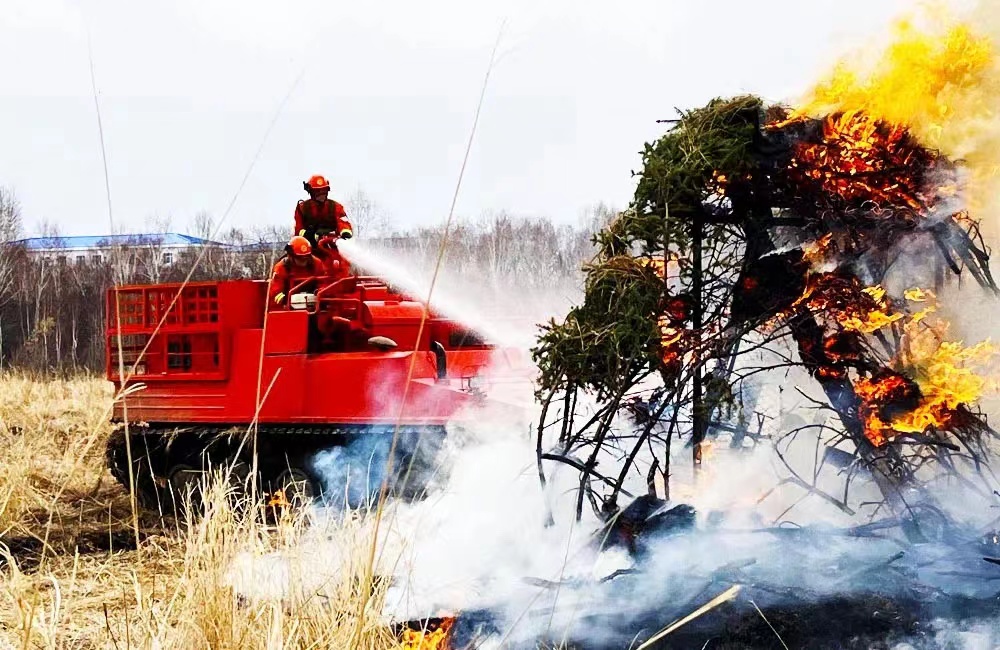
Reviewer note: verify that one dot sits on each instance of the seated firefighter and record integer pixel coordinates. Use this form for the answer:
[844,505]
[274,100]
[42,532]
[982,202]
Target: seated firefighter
[298,264]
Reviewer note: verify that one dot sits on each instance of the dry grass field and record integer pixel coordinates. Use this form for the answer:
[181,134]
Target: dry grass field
[78,571]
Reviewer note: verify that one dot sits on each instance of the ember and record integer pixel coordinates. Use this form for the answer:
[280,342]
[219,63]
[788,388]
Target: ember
[854,307]
[671,345]
[818,251]
[675,314]
[842,347]
[278,500]
[881,397]
[431,635]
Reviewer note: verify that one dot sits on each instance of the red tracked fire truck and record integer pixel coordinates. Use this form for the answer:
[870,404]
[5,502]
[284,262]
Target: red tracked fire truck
[341,362]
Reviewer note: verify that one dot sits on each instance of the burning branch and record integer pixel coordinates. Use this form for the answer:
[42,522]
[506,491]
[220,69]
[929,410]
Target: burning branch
[852,192]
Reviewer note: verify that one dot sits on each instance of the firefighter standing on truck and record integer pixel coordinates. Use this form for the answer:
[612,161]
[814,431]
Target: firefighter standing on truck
[323,221]
[297,265]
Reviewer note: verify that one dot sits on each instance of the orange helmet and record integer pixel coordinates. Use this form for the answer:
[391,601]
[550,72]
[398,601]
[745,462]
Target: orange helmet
[298,246]
[316,183]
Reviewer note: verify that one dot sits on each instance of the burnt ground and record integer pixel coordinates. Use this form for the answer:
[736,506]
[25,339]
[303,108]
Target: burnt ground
[859,621]
[862,622]
[27,550]
[924,596]
[865,621]
[84,522]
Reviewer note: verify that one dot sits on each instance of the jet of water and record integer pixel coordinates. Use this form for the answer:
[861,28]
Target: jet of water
[408,281]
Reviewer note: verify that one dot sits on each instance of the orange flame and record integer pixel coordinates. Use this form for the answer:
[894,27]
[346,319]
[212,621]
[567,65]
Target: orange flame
[921,295]
[877,395]
[949,375]
[925,385]
[817,251]
[718,184]
[428,639]
[855,160]
[939,77]
[939,84]
[874,321]
[673,335]
[946,375]
[278,500]
[924,75]
[917,294]
[852,306]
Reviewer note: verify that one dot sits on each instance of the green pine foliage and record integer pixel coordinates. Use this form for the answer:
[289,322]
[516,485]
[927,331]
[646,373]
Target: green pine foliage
[611,340]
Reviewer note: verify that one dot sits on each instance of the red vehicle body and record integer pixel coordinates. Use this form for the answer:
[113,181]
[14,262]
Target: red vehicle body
[357,359]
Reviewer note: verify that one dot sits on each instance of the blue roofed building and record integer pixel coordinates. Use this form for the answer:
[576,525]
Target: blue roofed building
[94,248]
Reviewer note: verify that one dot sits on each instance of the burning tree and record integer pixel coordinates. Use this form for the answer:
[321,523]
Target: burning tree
[821,241]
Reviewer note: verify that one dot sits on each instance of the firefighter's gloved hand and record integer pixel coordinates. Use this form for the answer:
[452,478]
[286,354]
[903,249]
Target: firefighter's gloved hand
[346,234]
[280,298]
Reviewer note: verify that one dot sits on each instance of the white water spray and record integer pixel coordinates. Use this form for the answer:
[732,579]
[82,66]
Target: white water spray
[409,282]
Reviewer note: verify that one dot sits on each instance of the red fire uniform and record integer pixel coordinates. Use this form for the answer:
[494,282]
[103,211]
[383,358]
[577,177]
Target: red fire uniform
[286,274]
[314,219]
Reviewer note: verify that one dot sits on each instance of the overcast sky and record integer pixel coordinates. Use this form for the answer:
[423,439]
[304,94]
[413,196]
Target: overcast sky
[385,101]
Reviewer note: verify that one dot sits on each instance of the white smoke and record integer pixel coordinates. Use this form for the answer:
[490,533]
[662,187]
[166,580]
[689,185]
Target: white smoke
[942,633]
[480,542]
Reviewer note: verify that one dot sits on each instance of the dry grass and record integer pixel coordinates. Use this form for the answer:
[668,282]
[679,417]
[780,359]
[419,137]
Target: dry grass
[72,574]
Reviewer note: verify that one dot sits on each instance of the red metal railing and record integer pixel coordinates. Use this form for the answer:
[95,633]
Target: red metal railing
[163,335]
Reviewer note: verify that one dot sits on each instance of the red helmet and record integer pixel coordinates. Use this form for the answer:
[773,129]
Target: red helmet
[298,246]
[316,183]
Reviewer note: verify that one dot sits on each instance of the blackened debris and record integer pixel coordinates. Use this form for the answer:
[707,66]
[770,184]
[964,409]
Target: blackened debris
[646,519]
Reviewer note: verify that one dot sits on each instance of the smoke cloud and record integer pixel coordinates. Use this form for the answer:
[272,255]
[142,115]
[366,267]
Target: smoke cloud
[482,544]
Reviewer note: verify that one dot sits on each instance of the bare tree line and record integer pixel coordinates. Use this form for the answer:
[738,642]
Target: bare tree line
[52,309]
